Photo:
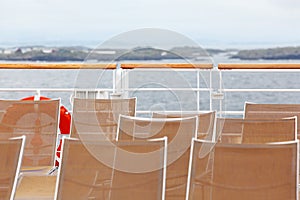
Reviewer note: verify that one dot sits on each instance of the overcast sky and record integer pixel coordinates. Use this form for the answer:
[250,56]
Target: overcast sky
[222,23]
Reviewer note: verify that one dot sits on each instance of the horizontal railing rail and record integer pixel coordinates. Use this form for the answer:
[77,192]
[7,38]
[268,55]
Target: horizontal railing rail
[244,66]
[57,66]
[167,65]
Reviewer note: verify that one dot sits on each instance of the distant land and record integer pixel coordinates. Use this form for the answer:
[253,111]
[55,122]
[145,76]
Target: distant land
[80,53]
[282,53]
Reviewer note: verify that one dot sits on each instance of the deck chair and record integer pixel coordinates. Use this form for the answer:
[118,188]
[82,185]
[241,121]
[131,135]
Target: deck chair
[206,121]
[11,152]
[107,170]
[94,116]
[243,171]
[38,120]
[179,132]
[253,110]
[233,130]
[229,130]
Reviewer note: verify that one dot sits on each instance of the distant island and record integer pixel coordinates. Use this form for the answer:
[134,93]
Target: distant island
[80,54]
[283,53]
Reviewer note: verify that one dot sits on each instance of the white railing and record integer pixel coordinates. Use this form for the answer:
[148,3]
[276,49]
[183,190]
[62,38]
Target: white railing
[180,80]
[224,89]
[119,80]
[258,83]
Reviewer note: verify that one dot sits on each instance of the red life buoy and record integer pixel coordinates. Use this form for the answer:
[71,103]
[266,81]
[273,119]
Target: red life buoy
[64,123]
[64,116]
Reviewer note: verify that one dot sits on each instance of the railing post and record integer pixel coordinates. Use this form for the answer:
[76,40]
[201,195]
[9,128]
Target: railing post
[37,95]
[117,83]
[198,90]
[125,82]
[216,96]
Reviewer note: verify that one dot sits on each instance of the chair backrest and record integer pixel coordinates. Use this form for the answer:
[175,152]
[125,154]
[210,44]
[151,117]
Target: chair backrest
[11,151]
[234,130]
[264,131]
[179,131]
[253,110]
[206,121]
[244,171]
[229,130]
[38,120]
[94,116]
[112,170]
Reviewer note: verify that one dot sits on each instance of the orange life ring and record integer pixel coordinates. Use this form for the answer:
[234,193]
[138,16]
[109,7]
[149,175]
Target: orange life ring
[64,123]
[64,116]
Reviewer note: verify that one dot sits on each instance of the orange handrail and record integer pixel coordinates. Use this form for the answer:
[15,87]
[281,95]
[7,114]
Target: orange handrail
[224,66]
[167,65]
[57,66]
